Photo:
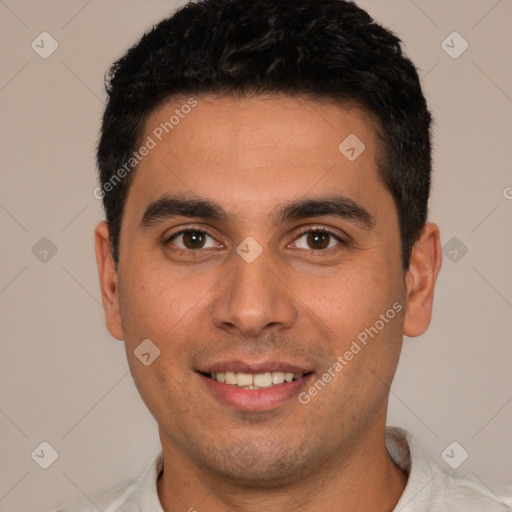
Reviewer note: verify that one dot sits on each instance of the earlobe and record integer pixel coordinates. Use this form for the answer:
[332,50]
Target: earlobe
[420,279]
[108,280]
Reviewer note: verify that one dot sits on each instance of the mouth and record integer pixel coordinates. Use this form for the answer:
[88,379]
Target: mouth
[251,381]
[252,387]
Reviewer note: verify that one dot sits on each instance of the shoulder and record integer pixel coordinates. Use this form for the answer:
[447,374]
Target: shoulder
[472,491]
[137,495]
[468,493]
[120,499]
[431,488]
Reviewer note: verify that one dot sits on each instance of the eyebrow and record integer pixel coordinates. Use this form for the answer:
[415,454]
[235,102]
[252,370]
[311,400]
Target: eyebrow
[336,206]
[168,207]
[342,207]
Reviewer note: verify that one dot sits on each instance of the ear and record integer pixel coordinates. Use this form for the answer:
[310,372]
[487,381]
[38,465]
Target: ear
[420,279]
[108,280]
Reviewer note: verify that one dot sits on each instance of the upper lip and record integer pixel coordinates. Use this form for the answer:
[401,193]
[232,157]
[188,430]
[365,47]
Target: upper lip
[253,367]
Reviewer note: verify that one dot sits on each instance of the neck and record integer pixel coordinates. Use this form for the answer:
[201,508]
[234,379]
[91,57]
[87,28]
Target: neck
[364,479]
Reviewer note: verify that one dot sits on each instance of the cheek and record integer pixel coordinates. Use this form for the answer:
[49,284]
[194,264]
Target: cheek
[362,312]
[163,389]
[151,303]
[157,308]
[350,299]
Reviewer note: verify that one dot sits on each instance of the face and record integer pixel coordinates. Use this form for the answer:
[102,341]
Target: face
[254,251]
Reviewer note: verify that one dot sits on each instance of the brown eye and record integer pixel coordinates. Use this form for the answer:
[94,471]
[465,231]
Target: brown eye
[317,240]
[192,240]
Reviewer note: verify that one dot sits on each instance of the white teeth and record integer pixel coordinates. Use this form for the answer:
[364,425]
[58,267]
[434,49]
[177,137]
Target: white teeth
[288,377]
[255,381]
[262,380]
[230,377]
[278,377]
[244,379]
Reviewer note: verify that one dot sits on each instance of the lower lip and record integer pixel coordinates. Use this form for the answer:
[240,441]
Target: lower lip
[255,399]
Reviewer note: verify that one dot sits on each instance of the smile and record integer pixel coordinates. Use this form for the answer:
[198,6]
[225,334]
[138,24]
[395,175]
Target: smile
[255,381]
[255,387]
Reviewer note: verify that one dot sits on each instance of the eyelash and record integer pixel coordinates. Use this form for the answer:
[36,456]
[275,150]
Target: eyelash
[305,231]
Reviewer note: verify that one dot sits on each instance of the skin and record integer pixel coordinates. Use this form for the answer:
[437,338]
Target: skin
[294,303]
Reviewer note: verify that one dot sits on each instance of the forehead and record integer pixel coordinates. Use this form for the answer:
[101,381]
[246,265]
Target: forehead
[260,148]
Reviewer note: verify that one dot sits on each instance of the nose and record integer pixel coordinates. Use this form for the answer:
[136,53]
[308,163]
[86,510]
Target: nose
[253,298]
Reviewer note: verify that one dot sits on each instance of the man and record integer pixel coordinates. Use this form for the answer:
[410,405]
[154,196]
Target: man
[265,172]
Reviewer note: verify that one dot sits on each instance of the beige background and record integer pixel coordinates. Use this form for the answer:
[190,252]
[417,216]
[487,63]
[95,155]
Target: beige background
[63,380]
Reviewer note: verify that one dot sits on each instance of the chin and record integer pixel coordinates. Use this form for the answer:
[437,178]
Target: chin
[252,464]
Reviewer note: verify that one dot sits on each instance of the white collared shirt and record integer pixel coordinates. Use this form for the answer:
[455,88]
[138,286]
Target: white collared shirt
[429,488]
